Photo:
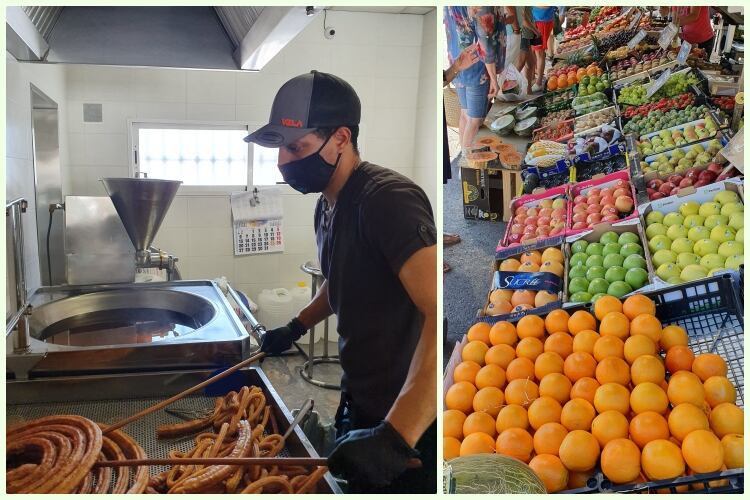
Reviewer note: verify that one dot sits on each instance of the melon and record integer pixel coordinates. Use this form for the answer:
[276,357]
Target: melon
[490,473]
[510,87]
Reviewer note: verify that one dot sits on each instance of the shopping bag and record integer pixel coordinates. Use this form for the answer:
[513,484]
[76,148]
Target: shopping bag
[512,84]
[513,48]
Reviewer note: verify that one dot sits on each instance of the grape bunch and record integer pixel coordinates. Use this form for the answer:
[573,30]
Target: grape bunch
[634,95]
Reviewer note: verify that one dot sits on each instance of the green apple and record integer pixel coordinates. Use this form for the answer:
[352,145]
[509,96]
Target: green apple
[658,242]
[655,229]
[578,259]
[597,297]
[740,236]
[693,272]
[709,208]
[580,297]
[724,197]
[631,249]
[685,259]
[698,233]
[579,246]
[693,220]
[613,260]
[633,261]
[595,260]
[628,237]
[715,220]
[731,248]
[619,289]
[673,218]
[608,237]
[578,271]
[737,220]
[636,277]
[689,208]
[682,245]
[595,272]
[611,248]
[654,217]
[730,208]
[734,262]
[712,260]
[594,249]
[675,280]
[578,285]
[663,256]
[722,233]
[705,246]
[677,231]
[598,285]
[615,273]
[665,271]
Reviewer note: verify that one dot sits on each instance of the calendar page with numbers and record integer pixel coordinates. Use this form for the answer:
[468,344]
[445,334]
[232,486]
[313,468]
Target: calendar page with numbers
[257,221]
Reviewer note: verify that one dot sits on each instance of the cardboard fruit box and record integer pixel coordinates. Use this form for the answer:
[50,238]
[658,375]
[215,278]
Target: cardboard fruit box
[602,182]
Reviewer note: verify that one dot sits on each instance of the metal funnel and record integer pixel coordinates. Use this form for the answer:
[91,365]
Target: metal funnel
[141,205]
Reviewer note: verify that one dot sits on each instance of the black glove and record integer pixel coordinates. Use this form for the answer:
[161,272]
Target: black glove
[374,456]
[278,340]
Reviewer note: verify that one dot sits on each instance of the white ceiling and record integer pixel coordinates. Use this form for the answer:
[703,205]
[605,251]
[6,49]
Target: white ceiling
[386,10]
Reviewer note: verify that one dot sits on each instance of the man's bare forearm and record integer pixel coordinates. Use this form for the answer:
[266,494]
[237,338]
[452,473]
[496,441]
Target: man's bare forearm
[318,309]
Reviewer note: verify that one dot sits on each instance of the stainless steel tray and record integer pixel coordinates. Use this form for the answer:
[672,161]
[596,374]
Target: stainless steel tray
[109,398]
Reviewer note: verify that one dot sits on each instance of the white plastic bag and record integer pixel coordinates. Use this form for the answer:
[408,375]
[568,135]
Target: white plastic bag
[512,48]
[510,73]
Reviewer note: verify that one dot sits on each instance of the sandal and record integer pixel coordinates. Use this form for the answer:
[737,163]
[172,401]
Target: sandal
[450,239]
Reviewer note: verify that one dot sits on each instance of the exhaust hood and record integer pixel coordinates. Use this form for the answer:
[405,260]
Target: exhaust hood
[228,38]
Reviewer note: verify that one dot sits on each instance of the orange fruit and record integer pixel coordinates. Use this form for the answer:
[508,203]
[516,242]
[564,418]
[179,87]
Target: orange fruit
[679,358]
[671,336]
[562,81]
[511,416]
[580,73]
[615,323]
[621,461]
[579,451]
[734,450]
[608,346]
[648,397]
[552,84]
[466,371]
[474,351]
[577,414]
[528,267]
[499,294]
[585,388]
[709,365]
[543,298]
[523,297]
[702,451]
[460,396]
[719,390]
[648,325]
[584,341]
[581,320]
[520,368]
[572,78]
[554,267]
[557,321]
[490,376]
[479,421]
[612,369]
[530,326]
[560,343]
[727,418]
[477,443]
[498,307]
[556,386]
[578,479]
[591,71]
[543,410]
[503,332]
[551,471]
[685,387]
[662,459]
[638,345]
[453,424]
[521,392]
[716,483]
[605,305]
[686,418]
[529,347]
[612,396]
[489,400]
[451,448]
[533,256]
[479,331]
[638,304]
[609,425]
[647,368]
[509,265]
[500,355]
[546,363]
[549,437]
[554,254]
[516,443]
[648,426]
[579,365]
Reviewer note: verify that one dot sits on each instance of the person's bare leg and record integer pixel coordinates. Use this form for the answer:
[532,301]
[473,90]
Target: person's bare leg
[540,61]
[462,119]
[470,133]
[530,66]
[523,60]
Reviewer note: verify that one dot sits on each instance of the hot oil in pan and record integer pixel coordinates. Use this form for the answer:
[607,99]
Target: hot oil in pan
[121,326]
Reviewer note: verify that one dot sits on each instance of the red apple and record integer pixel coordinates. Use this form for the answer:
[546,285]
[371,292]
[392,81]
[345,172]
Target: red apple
[674,191]
[579,216]
[693,173]
[528,237]
[685,183]
[606,192]
[707,175]
[556,230]
[594,192]
[529,229]
[655,183]
[581,207]
[579,199]
[557,225]
[594,199]
[715,167]
[624,204]
[542,231]
[649,192]
[521,210]
[621,183]
[609,218]
[609,210]
[519,219]
[666,188]
[593,219]
[516,229]
[607,200]
[514,238]
[657,196]
[580,225]
[545,212]
[593,209]
[701,183]
[675,179]
[558,213]
[620,192]
[546,203]
[532,212]
[543,221]
[531,221]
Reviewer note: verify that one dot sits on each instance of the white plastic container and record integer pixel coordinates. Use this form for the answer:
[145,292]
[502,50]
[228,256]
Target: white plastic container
[275,307]
[301,296]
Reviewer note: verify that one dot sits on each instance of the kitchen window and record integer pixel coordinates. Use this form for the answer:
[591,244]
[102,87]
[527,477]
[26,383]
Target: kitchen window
[204,156]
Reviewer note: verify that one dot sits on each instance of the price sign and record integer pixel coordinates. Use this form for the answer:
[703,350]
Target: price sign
[636,39]
[636,19]
[682,55]
[666,37]
[659,83]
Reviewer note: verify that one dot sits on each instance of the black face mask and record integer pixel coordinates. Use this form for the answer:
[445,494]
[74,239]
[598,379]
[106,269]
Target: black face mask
[310,174]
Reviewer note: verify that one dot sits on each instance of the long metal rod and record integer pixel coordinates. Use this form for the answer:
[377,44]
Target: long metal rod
[15,208]
[257,328]
[11,323]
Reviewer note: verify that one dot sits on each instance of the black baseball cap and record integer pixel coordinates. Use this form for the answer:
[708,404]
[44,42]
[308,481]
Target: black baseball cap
[305,103]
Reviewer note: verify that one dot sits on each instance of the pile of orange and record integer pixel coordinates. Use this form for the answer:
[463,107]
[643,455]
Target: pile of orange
[550,260]
[611,388]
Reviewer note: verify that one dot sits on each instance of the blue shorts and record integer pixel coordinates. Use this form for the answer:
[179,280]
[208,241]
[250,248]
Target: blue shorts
[474,99]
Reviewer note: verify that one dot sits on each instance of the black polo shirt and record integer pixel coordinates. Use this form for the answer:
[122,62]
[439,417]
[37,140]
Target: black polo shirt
[379,220]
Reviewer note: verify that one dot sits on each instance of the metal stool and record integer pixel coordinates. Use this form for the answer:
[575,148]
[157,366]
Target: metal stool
[306,370]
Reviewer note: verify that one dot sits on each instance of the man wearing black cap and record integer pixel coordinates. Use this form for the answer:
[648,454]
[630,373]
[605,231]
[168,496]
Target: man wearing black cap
[376,245]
